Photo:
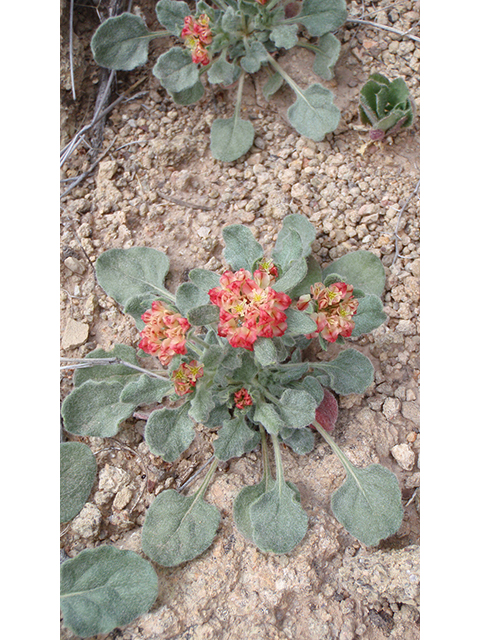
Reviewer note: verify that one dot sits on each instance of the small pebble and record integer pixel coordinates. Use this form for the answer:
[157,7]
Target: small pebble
[404,456]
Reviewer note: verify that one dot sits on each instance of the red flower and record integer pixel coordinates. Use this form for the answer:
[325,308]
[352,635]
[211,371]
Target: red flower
[333,308]
[164,334]
[197,34]
[186,376]
[249,308]
[242,399]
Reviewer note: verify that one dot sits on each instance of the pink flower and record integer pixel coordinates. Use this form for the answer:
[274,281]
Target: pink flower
[333,308]
[186,376]
[242,399]
[197,35]
[249,308]
[164,334]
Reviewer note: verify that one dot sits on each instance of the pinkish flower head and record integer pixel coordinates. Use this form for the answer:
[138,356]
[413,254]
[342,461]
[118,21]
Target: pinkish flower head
[186,376]
[242,399]
[249,308]
[164,334]
[334,307]
[197,35]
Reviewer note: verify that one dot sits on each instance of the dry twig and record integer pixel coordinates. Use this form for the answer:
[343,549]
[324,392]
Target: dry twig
[404,34]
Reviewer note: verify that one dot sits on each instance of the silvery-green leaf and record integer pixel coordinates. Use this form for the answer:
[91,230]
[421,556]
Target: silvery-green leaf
[362,269]
[231,138]
[175,70]
[321,16]
[78,469]
[369,316]
[146,390]
[104,588]
[297,408]
[284,35]
[169,432]
[349,372]
[171,14]
[95,409]
[178,528]
[235,438]
[241,249]
[272,85]
[313,114]
[327,51]
[117,372]
[190,95]
[121,42]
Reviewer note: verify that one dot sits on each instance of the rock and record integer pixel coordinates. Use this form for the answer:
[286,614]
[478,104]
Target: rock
[74,265]
[87,523]
[411,411]
[122,498]
[391,408]
[75,334]
[404,456]
[392,575]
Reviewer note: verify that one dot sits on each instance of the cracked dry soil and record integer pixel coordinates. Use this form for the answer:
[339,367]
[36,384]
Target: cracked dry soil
[158,186]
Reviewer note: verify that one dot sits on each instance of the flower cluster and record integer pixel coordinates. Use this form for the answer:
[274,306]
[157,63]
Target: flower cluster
[333,308]
[197,34]
[185,377]
[249,307]
[164,334]
[242,399]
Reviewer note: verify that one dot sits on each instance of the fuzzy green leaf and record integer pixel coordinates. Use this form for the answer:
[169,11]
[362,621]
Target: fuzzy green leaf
[300,441]
[169,432]
[321,16]
[111,372]
[189,296]
[222,72]
[171,14]
[327,52]
[178,528]
[272,85]
[313,275]
[104,588]
[369,503]
[266,415]
[284,35]
[349,372]
[146,390]
[78,469]
[241,507]
[121,43]
[278,521]
[203,315]
[125,273]
[235,438]
[265,351]
[297,408]
[190,95]
[231,138]
[290,278]
[299,323]
[241,249]
[202,402]
[369,316]
[95,409]
[256,55]
[288,248]
[313,114]
[204,279]
[361,269]
[175,70]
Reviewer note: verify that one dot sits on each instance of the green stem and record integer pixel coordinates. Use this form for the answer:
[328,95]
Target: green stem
[203,487]
[239,94]
[285,76]
[279,479]
[222,4]
[266,467]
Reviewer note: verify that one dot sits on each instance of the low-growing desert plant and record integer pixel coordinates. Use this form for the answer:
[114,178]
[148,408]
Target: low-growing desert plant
[231,348]
[386,106]
[222,42]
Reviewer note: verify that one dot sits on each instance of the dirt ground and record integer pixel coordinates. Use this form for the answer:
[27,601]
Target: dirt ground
[156,185]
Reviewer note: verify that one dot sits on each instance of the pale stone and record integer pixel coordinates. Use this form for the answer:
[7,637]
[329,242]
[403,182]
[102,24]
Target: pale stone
[75,334]
[403,455]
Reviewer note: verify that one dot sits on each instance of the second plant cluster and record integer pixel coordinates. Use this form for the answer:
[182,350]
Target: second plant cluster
[228,39]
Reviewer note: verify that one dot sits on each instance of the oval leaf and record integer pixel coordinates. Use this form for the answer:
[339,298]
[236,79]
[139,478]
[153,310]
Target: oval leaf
[369,316]
[171,14]
[313,114]
[178,528]
[350,372]
[175,70]
[321,16]
[125,273]
[95,409]
[78,469]
[121,43]
[104,588]
[278,521]
[369,503]
[241,249]
[231,138]
[327,52]
[234,439]
[169,432]
[241,507]
[361,269]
